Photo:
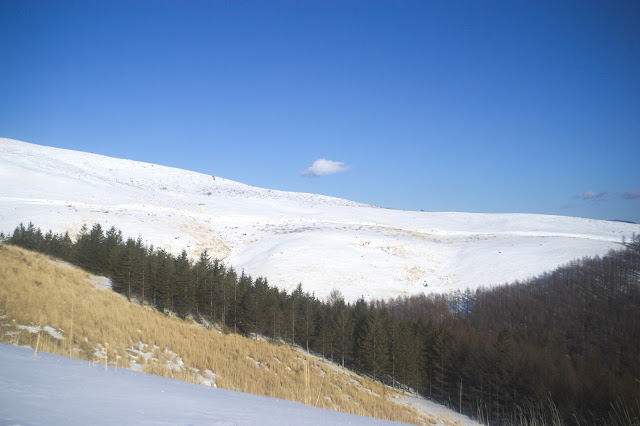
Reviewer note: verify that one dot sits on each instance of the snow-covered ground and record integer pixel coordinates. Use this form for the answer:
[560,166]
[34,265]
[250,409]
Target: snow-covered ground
[55,390]
[290,238]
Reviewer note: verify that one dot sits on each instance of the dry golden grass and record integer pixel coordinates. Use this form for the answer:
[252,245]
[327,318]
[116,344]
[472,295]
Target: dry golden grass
[102,326]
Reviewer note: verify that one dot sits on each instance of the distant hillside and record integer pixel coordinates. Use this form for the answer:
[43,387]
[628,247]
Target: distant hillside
[321,242]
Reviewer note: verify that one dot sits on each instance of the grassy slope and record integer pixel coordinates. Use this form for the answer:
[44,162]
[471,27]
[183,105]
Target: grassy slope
[102,326]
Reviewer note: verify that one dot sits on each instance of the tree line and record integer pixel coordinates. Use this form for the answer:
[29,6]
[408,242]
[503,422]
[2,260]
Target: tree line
[563,347]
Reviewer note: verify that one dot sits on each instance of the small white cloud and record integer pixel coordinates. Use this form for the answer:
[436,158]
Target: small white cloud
[324,167]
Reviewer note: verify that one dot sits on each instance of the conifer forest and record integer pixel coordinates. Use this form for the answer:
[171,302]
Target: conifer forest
[561,348]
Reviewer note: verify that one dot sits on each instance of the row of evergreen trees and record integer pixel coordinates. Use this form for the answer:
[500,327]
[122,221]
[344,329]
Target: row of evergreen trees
[564,346]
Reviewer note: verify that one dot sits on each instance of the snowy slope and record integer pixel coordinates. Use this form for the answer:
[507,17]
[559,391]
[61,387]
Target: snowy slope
[290,238]
[55,390]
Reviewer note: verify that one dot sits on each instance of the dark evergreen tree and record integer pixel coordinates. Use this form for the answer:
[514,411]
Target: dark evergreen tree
[203,288]
[184,295]
[164,288]
[373,348]
[306,318]
[253,307]
[228,297]
[357,319]
[113,243]
[342,330]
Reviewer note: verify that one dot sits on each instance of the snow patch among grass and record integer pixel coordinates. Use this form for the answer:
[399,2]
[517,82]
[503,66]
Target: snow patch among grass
[56,334]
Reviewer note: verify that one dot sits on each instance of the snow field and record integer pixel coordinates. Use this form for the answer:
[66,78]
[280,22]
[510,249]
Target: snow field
[290,238]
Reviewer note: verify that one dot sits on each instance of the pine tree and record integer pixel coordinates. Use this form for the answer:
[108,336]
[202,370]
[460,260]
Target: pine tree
[305,325]
[113,247]
[202,279]
[252,306]
[405,352]
[164,286]
[96,256]
[184,295]
[357,320]
[292,310]
[273,313]
[373,345]
[239,289]
[65,247]
[227,298]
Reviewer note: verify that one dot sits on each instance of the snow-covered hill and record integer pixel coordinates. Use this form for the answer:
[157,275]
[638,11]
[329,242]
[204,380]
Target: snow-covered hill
[290,238]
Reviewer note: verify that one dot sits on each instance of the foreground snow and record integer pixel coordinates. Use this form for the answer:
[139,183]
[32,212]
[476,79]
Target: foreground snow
[290,238]
[55,390]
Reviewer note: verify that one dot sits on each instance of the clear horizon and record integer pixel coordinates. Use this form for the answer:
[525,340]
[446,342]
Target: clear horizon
[477,107]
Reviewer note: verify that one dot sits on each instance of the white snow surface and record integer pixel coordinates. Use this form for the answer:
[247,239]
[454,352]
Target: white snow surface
[290,238]
[56,390]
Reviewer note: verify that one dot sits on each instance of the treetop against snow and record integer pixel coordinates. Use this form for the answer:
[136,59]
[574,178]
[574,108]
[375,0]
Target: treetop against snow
[290,238]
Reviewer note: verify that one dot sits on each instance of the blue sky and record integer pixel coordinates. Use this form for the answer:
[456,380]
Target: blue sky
[479,106]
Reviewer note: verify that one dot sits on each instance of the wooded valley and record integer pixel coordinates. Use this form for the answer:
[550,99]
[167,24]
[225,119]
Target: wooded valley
[562,348]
